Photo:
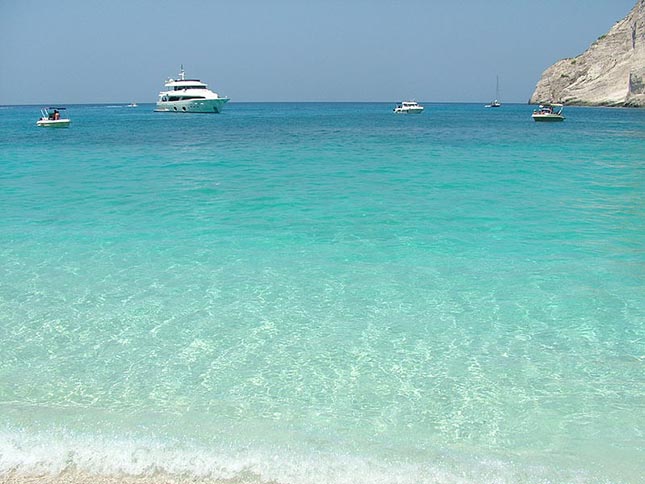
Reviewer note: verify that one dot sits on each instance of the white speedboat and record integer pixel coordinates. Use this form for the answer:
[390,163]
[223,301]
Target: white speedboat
[408,107]
[549,112]
[133,105]
[189,96]
[50,118]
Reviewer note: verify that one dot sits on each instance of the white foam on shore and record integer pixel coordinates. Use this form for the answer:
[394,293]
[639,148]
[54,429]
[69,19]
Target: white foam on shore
[62,453]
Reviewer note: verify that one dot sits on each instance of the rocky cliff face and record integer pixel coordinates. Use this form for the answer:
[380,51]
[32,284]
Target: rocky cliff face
[609,73]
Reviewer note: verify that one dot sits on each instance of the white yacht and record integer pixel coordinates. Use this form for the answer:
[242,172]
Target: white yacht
[189,96]
[408,107]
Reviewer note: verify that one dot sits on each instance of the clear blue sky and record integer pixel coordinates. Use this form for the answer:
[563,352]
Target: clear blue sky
[84,51]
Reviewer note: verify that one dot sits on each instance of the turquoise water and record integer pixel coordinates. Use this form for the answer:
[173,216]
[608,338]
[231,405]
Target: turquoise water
[324,293]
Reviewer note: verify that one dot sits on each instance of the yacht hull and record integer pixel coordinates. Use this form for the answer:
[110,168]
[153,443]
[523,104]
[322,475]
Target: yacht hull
[192,106]
[409,111]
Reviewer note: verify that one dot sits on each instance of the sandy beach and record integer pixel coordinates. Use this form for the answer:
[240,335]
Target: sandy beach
[77,477]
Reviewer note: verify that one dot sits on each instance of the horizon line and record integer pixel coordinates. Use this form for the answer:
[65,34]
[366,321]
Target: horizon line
[107,103]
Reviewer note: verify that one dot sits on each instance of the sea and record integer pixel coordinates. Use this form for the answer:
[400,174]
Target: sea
[323,293]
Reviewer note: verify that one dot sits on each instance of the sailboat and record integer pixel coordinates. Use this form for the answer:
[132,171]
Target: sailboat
[495,103]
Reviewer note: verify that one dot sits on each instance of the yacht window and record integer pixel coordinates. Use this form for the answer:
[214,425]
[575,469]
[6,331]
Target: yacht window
[184,98]
[182,88]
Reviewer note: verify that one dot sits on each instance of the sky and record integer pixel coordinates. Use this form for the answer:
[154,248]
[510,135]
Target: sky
[121,51]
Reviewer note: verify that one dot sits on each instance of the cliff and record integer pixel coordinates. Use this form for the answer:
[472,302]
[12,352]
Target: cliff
[609,73]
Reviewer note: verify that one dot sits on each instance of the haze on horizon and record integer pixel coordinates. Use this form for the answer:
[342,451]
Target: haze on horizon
[75,51]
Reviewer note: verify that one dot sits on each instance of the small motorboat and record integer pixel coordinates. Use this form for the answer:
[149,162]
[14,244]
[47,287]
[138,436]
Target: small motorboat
[133,105]
[408,107]
[50,118]
[549,112]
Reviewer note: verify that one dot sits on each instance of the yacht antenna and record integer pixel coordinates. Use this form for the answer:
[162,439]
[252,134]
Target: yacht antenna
[181,73]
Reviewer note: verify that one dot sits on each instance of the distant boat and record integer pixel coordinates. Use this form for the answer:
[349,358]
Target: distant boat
[549,112]
[495,103]
[50,118]
[408,107]
[132,105]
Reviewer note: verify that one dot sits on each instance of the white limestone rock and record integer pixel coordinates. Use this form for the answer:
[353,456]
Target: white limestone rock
[609,73]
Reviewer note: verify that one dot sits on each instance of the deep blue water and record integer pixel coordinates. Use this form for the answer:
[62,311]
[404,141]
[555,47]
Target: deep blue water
[324,293]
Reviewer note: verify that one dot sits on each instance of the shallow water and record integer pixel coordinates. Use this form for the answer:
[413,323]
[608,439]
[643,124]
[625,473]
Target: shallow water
[324,293]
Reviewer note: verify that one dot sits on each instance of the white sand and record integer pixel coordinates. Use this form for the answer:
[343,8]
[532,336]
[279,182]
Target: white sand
[75,477]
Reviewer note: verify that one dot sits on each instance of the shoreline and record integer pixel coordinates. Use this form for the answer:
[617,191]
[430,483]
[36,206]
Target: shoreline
[83,477]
